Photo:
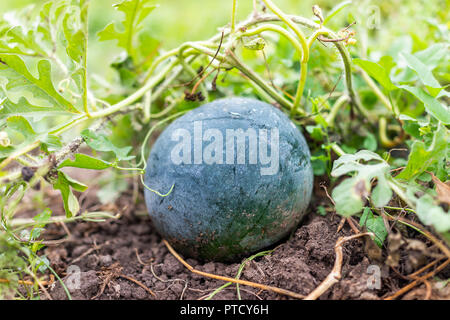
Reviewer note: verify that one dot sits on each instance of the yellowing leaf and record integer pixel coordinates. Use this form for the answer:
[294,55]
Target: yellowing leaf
[442,189]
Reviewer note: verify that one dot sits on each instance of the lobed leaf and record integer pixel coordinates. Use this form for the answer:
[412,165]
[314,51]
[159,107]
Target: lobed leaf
[135,12]
[20,80]
[351,193]
[100,142]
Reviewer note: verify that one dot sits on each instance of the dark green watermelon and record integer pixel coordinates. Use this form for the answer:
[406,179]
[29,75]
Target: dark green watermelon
[242,179]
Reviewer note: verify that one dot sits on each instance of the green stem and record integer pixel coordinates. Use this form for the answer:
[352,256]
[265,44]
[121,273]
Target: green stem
[399,191]
[337,149]
[298,48]
[277,29]
[335,109]
[382,132]
[158,60]
[384,100]
[260,82]
[137,94]
[130,169]
[147,136]
[300,88]
[346,59]
[194,75]
[24,162]
[406,224]
[314,36]
[233,17]
[10,176]
[305,51]
[164,111]
[147,106]
[400,209]
[28,222]
[285,18]
[18,153]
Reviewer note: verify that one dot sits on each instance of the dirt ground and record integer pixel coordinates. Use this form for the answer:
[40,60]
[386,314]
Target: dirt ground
[126,259]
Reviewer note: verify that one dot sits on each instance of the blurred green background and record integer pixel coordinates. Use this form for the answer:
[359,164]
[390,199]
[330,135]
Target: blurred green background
[176,21]
[379,23]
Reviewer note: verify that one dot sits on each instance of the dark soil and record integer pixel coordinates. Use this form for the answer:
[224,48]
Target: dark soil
[113,255]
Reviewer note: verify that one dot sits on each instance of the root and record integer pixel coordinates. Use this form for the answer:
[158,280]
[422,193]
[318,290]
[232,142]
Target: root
[228,279]
[336,273]
[417,281]
[140,284]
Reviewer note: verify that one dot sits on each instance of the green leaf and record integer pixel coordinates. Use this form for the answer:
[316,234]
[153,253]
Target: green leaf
[51,142]
[375,225]
[432,55]
[382,193]
[24,108]
[348,196]
[433,106]
[348,163]
[85,162]
[75,31]
[21,125]
[70,202]
[423,72]
[316,132]
[100,142]
[25,40]
[135,12]
[422,157]
[377,72]
[370,142]
[58,37]
[78,186]
[432,214]
[42,218]
[351,193]
[387,62]
[76,37]
[21,81]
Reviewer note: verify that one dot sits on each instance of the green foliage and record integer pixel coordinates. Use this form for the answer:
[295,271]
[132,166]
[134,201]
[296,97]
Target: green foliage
[378,72]
[41,88]
[423,156]
[100,142]
[127,36]
[68,68]
[85,162]
[432,105]
[22,131]
[375,225]
[351,193]
[10,265]
[65,184]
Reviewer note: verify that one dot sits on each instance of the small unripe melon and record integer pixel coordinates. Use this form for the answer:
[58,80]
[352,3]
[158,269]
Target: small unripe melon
[242,179]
